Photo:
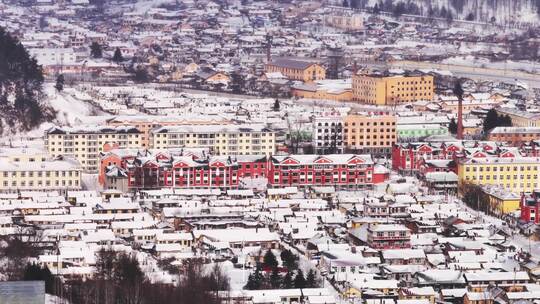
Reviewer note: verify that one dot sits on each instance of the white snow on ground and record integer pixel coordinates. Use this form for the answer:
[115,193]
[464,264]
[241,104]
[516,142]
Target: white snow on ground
[72,107]
[528,66]
[142,6]
[72,110]
[50,299]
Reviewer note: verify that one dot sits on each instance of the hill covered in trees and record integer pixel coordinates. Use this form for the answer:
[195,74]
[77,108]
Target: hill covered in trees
[495,11]
[21,88]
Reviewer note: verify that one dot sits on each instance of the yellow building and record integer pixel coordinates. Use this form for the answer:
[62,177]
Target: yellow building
[517,175]
[221,140]
[296,69]
[391,90]
[86,143]
[19,172]
[521,118]
[370,132]
[501,200]
[145,123]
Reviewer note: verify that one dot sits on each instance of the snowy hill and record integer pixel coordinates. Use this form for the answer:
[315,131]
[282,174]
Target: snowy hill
[503,11]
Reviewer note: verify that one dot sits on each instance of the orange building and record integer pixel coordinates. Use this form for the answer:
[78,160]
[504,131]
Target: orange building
[296,69]
[514,135]
[373,133]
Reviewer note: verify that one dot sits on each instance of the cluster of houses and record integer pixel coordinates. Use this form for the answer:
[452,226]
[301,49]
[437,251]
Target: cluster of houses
[396,243]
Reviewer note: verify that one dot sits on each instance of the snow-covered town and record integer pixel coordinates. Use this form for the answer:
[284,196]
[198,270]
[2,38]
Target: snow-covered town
[269,152]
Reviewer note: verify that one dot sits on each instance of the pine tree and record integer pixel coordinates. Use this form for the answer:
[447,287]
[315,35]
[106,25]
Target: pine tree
[251,283]
[452,127]
[59,86]
[491,121]
[289,259]
[376,9]
[21,80]
[275,279]
[270,259]
[141,75]
[299,280]
[95,50]
[287,281]
[117,57]
[276,105]
[311,280]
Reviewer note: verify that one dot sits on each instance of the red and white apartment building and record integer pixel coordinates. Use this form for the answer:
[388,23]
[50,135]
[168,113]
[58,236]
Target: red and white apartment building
[530,207]
[143,170]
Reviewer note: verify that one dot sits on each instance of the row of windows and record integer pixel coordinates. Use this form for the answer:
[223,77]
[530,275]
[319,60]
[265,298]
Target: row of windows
[40,173]
[369,130]
[374,123]
[500,168]
[501,177]
[41,183]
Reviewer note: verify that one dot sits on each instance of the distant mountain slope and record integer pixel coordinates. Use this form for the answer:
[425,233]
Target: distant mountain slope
[503,11]
[21,88]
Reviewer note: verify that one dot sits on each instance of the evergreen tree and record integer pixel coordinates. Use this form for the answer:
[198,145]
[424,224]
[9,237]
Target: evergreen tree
[289,259]
[311,280]
[95,50]
[117,57]
[270,259]
[276,105]
[345,3]
[376,9]
[21,81]
[275,279]
[59,86]
[452,127]
[251,283]
[491,121]
[287,281]
[399,9]
[237,83]
[141,75]
[299,280]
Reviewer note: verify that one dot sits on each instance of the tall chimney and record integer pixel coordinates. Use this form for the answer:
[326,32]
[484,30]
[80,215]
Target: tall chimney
[458,91]
[268,47]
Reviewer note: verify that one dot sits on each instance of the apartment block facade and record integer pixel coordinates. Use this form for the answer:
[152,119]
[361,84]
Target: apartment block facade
[86,143]
[373,133]
[515,174]
[328,134]
[39,174]
[391,90]
[220,140]
[147,123]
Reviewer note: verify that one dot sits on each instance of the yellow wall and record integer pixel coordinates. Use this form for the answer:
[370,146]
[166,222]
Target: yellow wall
[517,176]
[311,73]
[502,205]
[392,90]
[85,147]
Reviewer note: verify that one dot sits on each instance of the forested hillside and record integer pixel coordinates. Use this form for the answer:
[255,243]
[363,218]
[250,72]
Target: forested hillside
[21,88]
[498,11]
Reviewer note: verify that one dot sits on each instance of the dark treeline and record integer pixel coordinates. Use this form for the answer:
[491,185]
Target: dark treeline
[119,279]
[21,86]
